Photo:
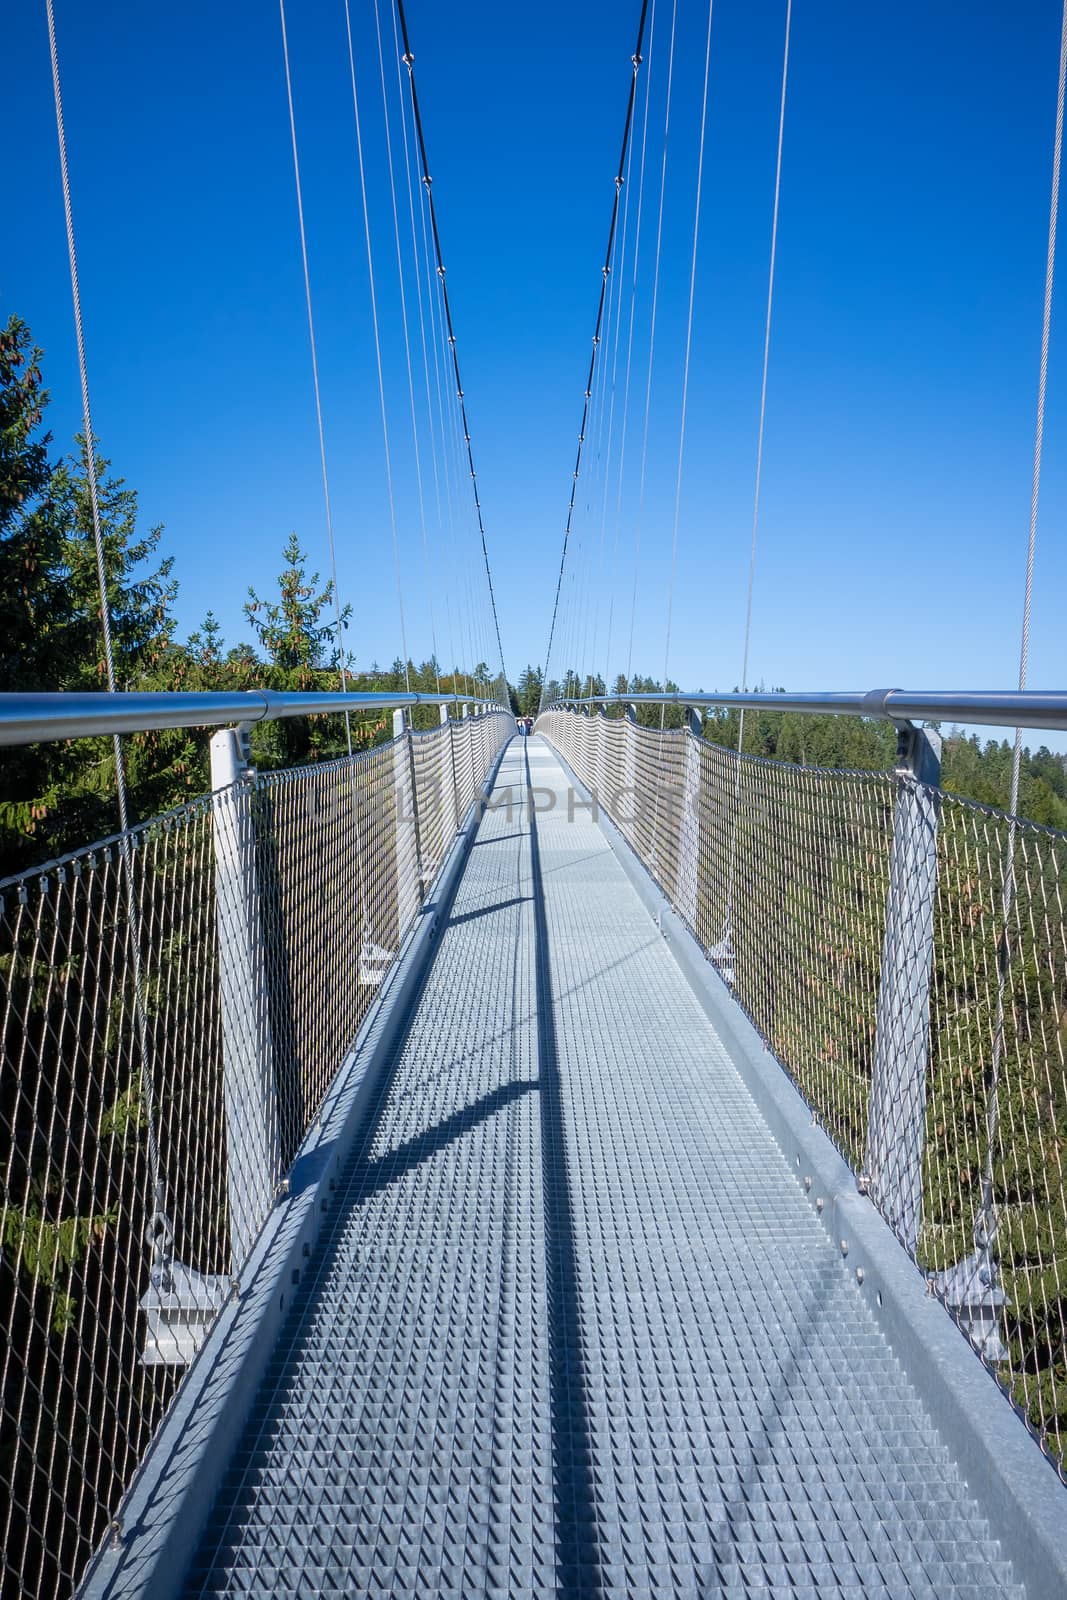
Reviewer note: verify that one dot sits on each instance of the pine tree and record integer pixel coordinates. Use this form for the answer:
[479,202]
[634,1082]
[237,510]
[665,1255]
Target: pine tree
[291,629]
[304,654]
[59,795]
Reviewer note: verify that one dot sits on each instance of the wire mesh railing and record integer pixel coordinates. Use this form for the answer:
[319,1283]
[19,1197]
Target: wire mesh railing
[176,1003]
[903,952]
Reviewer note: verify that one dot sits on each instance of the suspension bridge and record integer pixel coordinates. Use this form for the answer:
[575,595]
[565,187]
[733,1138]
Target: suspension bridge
[573,1155]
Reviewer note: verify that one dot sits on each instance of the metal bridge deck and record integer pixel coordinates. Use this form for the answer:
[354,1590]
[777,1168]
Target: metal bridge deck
[572,1327]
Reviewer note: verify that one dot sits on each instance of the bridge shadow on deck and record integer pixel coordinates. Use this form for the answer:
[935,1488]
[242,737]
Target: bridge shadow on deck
[578,1571]
[572,1460]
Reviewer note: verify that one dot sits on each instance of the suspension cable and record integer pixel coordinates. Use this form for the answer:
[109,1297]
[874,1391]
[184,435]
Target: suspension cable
[404,301]
[986,1221]
[377,345]
[315,374]
[615,324]
[409,62]
[688,349]
[159,1234]
[766,358]
[1039,430]
[739,769]
[635,60]
[630,342]
[652,336]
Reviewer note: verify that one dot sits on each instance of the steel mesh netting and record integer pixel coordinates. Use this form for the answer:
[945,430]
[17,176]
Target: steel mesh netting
[431,757]
[464,763]
[337,877]
[785,874]
[95,1064]
[995,1149]
[780,871]
[176,1003]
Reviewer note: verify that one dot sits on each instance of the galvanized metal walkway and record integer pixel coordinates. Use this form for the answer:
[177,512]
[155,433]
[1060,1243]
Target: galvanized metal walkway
[573,1328]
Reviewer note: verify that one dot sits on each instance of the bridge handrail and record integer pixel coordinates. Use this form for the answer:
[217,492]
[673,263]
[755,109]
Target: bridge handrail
[32,718]
[1002,708]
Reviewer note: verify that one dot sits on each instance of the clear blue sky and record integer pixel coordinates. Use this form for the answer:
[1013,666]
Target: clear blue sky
[904,351]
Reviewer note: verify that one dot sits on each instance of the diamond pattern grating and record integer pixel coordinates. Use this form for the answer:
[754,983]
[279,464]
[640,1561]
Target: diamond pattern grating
[572,1329]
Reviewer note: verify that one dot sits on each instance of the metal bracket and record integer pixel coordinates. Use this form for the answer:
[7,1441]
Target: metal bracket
[180,1311]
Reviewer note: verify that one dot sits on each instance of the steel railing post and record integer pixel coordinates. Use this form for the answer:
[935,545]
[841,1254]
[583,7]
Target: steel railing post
[446,722]
[685,889]
[897,1112]
[408,844]
[628,824]
[253,1145]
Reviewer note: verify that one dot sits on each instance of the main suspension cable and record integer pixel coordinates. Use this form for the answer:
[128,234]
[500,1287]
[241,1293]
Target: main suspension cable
[635,60]
[409,62]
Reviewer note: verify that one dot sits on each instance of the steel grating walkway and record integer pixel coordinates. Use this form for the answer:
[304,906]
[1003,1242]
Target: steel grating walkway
[572,1328]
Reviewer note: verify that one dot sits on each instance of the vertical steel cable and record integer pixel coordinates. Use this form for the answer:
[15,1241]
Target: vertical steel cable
[436,340]
[652,334]
[90,437]
[759,463]
[315,371]
[409,62]
[985,1225]
[605,273]
[413,186]
[377,345]
[766,357]
[630,340]
[158,1230]
[1039,431]
[342,670]
[404,298]
[616,326]
[685,400]
[688,347]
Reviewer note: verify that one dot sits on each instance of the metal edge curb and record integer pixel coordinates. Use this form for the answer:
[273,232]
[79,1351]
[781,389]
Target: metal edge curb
[178,1480]
[1015,1486]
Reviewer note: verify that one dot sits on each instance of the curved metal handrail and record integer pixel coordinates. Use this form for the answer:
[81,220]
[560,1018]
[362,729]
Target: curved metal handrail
[1002,708]
[32,718]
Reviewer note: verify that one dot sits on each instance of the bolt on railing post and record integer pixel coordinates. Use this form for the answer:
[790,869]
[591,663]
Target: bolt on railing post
[897,1112]
[253,1145]
[685,890]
